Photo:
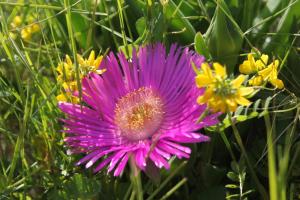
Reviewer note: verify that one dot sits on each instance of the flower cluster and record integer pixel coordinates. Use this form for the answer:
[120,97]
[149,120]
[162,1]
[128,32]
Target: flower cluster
[261,70]
[26,33]
[67,75]
[222,93]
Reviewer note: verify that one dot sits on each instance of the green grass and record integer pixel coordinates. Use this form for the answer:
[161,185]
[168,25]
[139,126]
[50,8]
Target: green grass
[256,158]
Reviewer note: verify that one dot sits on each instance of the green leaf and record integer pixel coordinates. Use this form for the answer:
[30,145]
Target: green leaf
[231,186]
[232,176]
[140,25]
[178,22]
[223,37]
[80,27]
[201,47]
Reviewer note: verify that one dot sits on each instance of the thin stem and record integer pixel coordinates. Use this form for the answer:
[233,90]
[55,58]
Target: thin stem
[73,45]
[178,185]
[167,180]
[242,147]
[271,160]
[227,144]
[136,180]
[128,192]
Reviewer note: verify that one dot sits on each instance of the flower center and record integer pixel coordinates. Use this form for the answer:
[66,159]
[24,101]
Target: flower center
[224,88]
[139,114]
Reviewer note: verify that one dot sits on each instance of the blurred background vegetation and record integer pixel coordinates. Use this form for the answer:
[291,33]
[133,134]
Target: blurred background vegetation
[34,163]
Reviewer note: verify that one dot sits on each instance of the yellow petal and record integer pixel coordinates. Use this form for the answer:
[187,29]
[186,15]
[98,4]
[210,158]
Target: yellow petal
[256,81]
[274,73]
[236,83]
[25,34]
[244,91]
[277,83]
[264,58]
[205,97]
[35,28]
[59,68]
[276,63]
[265,73]
[206,69]
[97,62]
[61,97]
[220,70]
[222,106]
[80,59]
[231,104]
[242,101]
[69,61]
[203,80]
[262,62]
[251,59]
[246,67]
[17,20]
[91,58]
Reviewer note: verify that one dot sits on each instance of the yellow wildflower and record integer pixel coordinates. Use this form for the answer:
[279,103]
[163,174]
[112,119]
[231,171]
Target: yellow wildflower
[263,71]
[270,74]
[17,21]
[67,74]
[250,66]
[222,93]
[35,28]
[26,33]
[66,70]
[91,64]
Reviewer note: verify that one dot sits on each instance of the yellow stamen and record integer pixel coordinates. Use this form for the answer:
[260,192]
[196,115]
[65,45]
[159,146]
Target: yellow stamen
[139,114]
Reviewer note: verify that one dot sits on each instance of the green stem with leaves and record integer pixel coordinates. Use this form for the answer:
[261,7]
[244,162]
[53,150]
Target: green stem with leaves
[238,138]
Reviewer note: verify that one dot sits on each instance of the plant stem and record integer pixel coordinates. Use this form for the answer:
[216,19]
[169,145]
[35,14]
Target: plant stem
[227,144]
[238,138]
[164,183]
[136,180]
[178,185]
[271,160]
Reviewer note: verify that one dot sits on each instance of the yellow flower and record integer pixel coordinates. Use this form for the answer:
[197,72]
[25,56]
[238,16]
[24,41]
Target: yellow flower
[91,64]
[26,33]
[66,71]
[67,74]
[256,80]
[222,93]
[250,66]
[17,21]
[35,28]
[263,72]
[68,93]
[270,74]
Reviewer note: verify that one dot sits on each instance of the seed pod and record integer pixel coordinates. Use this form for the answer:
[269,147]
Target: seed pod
[223,37]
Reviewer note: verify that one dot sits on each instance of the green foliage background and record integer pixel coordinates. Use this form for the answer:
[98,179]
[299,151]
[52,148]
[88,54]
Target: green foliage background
[34,163]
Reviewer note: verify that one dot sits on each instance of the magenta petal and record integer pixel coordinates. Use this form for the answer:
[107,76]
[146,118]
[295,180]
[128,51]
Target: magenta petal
[115,160]
[159,161]
[102,164]
[121,165]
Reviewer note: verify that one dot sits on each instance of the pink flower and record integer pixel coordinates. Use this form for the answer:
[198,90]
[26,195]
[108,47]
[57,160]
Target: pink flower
[144,108]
